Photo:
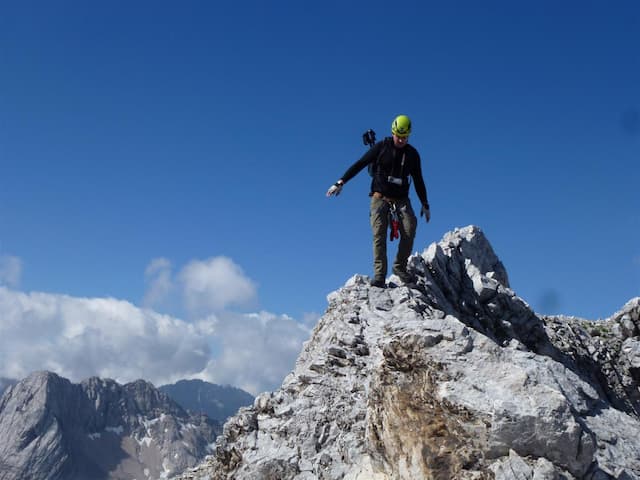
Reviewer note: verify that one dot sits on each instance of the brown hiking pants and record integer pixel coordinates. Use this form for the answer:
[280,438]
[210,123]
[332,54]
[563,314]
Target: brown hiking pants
[379,216]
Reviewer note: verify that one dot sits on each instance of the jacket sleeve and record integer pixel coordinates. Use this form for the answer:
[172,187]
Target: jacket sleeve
[418,181]
[365,160]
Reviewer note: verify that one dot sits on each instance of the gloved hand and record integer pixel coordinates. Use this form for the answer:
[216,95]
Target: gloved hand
[335,189]
[426,212]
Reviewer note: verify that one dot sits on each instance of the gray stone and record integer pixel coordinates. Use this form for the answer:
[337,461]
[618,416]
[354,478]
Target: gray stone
[55,430]
[512,467]
[460,380]
[631,349]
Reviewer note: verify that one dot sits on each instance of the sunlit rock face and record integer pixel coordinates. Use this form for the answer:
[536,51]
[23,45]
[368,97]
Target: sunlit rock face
[454,377]
[52,429]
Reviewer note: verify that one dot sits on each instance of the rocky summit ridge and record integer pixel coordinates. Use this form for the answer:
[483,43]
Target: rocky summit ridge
[454,377]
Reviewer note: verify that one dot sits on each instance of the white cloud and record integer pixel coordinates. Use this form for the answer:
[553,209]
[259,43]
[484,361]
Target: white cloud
[83,337]
[256,350]
[215,284]
[310,319]
[10,270]
[159,282]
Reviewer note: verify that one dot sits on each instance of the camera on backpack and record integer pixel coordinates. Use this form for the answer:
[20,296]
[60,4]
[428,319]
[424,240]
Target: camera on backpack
[369,138]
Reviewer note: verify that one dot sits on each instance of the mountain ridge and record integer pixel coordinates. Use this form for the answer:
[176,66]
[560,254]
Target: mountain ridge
[454,377]
[218,402]
[53,429]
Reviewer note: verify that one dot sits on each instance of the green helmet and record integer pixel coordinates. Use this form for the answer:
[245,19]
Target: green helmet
[401,126]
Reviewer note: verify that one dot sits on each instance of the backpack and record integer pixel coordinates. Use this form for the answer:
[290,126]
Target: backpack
[374,165]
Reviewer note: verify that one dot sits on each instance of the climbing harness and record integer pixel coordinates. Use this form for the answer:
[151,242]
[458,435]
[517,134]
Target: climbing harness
[394,221]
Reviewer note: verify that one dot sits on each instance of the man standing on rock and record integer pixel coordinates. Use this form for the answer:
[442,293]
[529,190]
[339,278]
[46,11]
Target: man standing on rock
[393,162]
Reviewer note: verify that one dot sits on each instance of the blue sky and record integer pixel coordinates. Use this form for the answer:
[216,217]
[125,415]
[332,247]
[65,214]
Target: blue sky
[175,137]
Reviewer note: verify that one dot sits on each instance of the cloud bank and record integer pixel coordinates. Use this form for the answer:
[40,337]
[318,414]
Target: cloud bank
[215,284]
[82,337]
[10,270]
[202,286]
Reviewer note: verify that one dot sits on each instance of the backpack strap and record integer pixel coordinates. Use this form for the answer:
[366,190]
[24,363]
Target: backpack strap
[373,166]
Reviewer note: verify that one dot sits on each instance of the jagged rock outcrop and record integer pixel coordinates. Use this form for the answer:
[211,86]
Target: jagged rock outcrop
[453,378]
[52,429]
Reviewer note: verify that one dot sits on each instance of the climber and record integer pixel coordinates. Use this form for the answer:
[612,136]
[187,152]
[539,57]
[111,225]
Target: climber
[394,160]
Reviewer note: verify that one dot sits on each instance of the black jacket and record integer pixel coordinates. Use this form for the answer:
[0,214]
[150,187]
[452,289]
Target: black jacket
[391,164]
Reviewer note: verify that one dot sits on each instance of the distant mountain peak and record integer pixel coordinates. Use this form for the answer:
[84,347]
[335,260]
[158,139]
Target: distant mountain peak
[217,401]
[98,429]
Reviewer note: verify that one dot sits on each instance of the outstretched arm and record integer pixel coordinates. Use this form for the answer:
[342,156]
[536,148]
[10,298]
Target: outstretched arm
[354,169]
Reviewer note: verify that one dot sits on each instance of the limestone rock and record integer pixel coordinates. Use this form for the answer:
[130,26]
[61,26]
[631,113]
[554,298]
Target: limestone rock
[454,377]
[52,429]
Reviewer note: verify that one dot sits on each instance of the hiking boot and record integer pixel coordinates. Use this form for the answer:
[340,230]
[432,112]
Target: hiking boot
[403,275]
[377,282]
